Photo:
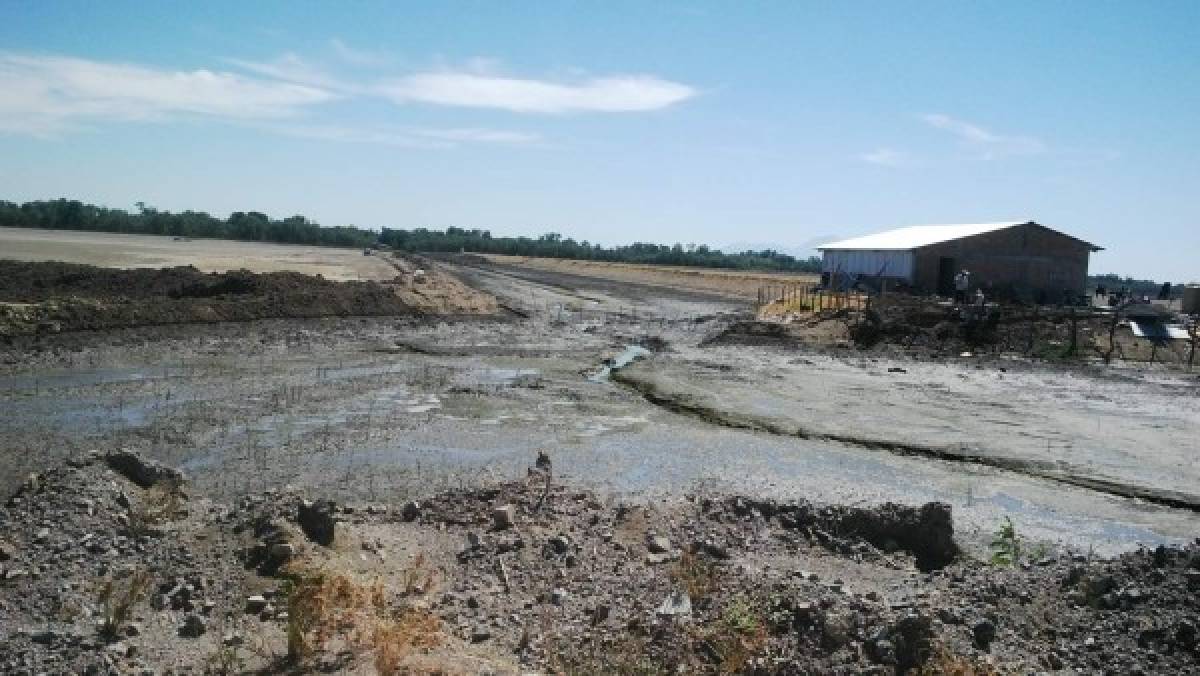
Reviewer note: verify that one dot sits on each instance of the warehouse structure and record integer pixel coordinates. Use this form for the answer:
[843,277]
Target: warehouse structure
[1017,259]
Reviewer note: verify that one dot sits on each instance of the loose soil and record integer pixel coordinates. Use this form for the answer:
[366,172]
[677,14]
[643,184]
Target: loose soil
[565,582]
[50,297]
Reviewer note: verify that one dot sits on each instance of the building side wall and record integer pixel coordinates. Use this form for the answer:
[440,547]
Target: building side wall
[891,264]
[1026,261]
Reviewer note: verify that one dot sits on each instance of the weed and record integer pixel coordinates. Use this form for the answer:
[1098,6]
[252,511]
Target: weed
[118,600]
[1006,544]
[696,575]
[158,504]
[323,607]
[738,635]
[945,663]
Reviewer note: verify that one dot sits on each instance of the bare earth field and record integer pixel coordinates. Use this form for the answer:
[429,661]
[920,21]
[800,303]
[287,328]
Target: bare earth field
[731,283]
[702,507]
[207,255]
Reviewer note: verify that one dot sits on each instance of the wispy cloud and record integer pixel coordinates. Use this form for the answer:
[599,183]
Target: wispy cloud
[46,95]
[474,90]
[990,145]
[411,137]
[291,67]
[359,57]
[887,157]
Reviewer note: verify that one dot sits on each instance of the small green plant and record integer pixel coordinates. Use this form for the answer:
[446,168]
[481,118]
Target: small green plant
[1006,544]
[118,600]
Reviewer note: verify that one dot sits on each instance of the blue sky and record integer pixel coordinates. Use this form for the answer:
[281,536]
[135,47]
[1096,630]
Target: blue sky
[780,123]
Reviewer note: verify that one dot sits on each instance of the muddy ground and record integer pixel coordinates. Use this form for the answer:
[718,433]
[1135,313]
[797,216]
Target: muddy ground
[384,411]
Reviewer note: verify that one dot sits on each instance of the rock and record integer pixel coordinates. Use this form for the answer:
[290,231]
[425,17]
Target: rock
[316,520]
[193,626]
[678,603]
[561,544]
[559,596]
[279,554]
[1193,579]
[7,550]
[480,634]
[983,633]
[141,471]
[503,517]
[232,640]
[881,651]
[411,511]
[658,544]
[255,604]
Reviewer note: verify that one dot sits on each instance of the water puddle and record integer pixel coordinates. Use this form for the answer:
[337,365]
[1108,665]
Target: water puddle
[632,353]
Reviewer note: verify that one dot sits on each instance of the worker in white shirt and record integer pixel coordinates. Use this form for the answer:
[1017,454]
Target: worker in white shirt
[962,284]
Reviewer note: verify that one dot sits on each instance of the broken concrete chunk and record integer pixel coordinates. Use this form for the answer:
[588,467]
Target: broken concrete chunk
[141,471]
[503,517]
[316,520]
[658,544]
[678,603]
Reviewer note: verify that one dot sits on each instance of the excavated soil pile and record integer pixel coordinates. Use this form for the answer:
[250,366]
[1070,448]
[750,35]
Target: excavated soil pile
[528,576]
[53,297]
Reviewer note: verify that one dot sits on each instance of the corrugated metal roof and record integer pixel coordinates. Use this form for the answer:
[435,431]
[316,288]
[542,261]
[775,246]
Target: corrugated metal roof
[916,236]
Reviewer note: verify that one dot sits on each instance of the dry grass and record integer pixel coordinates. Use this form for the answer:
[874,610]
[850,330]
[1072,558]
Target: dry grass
[696,575]
[118,599]
[945,663]
[326,608]
[157,505]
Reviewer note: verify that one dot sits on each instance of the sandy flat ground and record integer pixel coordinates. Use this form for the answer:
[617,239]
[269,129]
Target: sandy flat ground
[208,255]
[732,283]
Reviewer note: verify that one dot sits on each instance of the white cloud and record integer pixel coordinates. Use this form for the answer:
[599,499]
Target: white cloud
[416,137]
[291,67]
[44,95]
[989,144]
[887,157]
[606,94]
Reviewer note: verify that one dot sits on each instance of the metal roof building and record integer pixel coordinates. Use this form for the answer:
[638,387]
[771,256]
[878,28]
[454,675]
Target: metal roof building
[1022,259]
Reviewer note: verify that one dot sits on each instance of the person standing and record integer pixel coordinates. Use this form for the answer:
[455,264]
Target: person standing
[962,284]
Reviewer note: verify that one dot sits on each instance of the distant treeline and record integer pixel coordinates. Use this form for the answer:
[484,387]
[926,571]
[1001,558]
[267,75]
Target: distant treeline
[63,214]
[556,246]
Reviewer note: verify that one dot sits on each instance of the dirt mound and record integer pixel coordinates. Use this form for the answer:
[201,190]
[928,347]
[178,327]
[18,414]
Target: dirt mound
[101,575]
[53,297]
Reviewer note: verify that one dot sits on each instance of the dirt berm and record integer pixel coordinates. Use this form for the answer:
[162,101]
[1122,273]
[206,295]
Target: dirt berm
[51,297]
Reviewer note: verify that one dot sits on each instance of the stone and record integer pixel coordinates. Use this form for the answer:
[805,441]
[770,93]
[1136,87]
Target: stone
[141,471]
[678,603]
[255,604]
[983,632]
[503,517]
[279,554]
[559,596]
[658,544]
[7,550]
[561,544]
[480,634]
[193,626]
[411,511]
[316,520]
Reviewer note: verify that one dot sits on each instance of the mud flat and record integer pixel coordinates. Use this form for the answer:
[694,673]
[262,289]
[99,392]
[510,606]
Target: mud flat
[793,488]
